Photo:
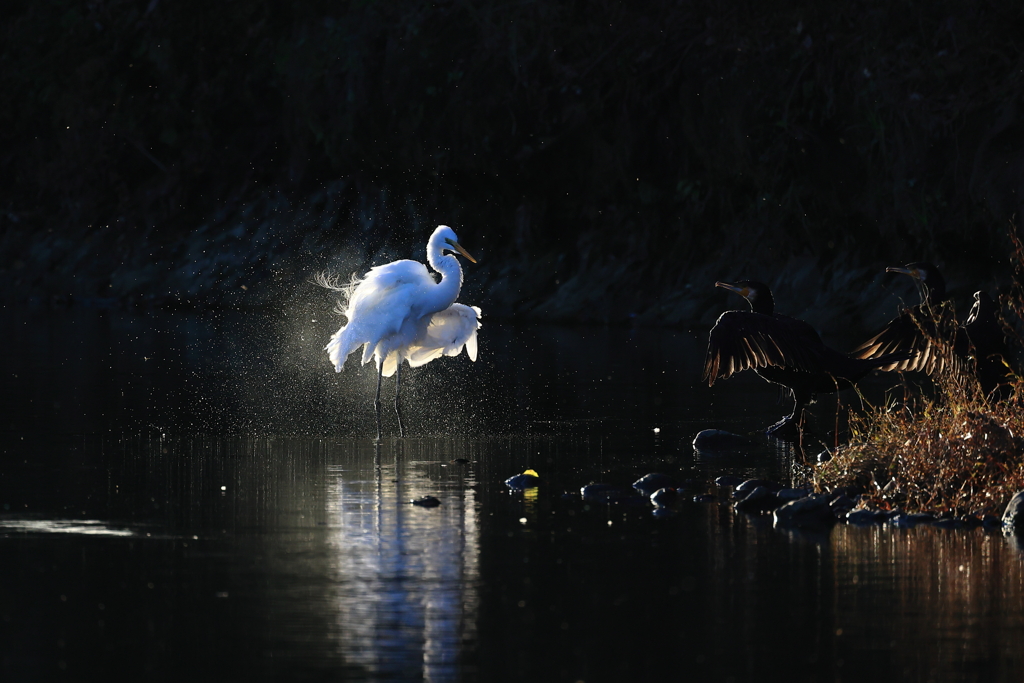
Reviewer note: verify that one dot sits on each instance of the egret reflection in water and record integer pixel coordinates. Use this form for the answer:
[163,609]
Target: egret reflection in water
[86,527]
[404,577]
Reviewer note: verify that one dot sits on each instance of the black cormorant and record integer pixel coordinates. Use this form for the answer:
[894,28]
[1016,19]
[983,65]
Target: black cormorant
[782,350]
[988,346]
[977,347]
[916,327]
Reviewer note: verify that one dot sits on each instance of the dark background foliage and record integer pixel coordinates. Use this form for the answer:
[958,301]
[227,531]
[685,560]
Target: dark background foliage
[608,160]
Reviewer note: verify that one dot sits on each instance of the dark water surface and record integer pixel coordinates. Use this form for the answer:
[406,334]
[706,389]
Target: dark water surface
[190,497]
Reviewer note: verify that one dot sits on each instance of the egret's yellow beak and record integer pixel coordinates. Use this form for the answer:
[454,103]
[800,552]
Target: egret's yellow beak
[458,247]
[742,291]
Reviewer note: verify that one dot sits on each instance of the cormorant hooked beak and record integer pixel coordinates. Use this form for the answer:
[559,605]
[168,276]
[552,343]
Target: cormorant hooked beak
[919,275]
[742,291]
[912,272]
[458,247]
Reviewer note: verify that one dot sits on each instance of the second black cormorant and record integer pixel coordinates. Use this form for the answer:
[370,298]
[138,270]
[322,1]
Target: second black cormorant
[988,347]
[941,346]
[782,350]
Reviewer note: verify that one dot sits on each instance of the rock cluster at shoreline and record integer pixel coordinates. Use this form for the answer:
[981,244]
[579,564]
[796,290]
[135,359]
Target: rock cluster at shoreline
[799,508]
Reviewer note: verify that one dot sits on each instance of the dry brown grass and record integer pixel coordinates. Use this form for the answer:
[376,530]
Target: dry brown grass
[950,449]
[940,453]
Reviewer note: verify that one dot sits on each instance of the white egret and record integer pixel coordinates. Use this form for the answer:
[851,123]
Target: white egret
[398,312]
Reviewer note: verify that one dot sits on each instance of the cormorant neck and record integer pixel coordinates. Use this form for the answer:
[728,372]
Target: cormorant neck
[933,290]
[763,303]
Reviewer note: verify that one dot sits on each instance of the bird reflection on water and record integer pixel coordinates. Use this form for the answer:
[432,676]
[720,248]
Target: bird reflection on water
[403,578]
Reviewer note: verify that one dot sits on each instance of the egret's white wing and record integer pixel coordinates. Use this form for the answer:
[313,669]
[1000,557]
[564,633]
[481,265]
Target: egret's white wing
[378,307]
[446,334]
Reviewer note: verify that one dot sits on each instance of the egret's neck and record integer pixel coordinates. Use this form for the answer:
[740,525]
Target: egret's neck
[447,290]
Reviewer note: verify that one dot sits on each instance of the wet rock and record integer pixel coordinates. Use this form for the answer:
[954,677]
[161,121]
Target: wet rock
[787,495]
[1013,516]
[811,511]
[922,517]
[649,483]
[758,500]
[519,482]
[848,491]
[865,517]
[426,502]
[969,521]
[606,493]
[841,505]
[662,498]
[751,484]
[901,520]
[945,523]
[991,521]
[728,480]
[704,498]
[663,512]
[712,440]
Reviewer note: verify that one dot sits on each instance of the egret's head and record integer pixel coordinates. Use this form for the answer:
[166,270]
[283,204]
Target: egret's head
[447,241]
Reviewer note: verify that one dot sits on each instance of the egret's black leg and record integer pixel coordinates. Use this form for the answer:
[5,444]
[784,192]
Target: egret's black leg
[376,399]
[398,379]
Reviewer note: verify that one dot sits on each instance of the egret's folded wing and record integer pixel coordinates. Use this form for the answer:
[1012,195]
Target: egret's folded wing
[447,333]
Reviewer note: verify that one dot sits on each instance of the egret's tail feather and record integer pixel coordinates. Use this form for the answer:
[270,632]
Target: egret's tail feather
[335,283]
[340,346]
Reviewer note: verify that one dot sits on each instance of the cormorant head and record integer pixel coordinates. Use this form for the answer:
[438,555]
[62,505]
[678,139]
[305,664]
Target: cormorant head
[930,283]
[757,294]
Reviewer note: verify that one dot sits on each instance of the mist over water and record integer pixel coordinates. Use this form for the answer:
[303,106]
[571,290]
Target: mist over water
[199,495]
